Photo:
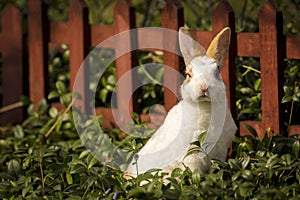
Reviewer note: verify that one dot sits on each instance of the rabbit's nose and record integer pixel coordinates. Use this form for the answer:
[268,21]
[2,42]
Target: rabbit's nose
[204,90]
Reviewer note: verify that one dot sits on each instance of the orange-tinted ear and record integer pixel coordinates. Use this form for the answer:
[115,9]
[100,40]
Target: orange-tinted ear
[219,46]
[188,46]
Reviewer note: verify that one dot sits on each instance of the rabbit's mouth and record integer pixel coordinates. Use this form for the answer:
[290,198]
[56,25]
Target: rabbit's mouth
[203,97]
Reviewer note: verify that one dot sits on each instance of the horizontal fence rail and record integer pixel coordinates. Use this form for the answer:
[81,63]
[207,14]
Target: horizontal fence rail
[269,44]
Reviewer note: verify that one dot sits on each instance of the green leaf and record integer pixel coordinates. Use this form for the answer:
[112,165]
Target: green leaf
[272,161]
[46,126]
[31,111]
[92,162]
[111,80]
[296,148]
[286,99]
[60,86]
[19,132]
[43,106]
[66,55]
[137,192]
[287,90]
[234,164]
[196,177]
[171,194]
[295,98]
[235,176]
[109,88]
[25,190]
[65,99]
[53,112]
[251,130]
[154,170]
[287,159]
[150,186]
[193,150]
[246,188]
[159,74]
[83,154]
[247,174]
[69,178]
[57,188]
[257,84]
[201,138]
[245,162]
[103,94]
[53,94]
[14,168]
[77,162]
[176,172]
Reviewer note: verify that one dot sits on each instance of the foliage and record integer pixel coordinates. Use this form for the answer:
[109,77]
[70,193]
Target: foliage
[59,68]
[248,89]
[152,93]
[34,166]
[291,99]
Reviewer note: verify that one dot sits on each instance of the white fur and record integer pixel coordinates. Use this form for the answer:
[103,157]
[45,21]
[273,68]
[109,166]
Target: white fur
[167,148]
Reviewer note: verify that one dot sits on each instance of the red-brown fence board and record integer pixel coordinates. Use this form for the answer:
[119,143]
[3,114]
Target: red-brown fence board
[248,44]
[172,18]
[79,43]
[271,66]
[124,18]
[269,44]
[292,46]
[13,71]
[223,16]
[38,38]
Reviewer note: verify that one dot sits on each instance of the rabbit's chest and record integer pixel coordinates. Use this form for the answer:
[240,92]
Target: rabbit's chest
[197,118]
[204,119]
[201,116]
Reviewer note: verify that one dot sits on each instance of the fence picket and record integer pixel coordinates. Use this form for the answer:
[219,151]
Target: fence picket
[271,62]
[223,16]
[125,20]
[172,18]
[14,82]
[79,41]
[38,40]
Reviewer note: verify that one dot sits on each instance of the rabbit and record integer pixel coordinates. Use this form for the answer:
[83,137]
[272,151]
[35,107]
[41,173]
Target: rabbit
[203,87]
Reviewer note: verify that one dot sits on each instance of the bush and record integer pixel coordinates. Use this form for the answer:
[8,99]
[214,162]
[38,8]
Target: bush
[59,167]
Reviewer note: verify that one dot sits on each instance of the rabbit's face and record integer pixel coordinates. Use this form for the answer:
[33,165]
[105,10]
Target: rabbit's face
[203,81]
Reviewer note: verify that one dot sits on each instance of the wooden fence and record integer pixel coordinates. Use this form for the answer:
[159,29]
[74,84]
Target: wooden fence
[270,44]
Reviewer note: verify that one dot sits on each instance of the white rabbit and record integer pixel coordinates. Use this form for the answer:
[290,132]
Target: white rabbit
[203,108]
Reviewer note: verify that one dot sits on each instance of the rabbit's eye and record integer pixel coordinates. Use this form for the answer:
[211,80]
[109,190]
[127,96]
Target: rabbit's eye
[188,75]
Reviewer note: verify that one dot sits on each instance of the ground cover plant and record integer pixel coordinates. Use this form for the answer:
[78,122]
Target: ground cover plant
[59,167]
[44,158]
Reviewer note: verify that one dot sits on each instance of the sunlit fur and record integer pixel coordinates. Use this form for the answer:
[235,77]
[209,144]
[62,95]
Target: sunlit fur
[192,115]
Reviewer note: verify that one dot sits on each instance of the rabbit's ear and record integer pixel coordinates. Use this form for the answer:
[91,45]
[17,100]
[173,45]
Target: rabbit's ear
[219,46]
[188,46]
